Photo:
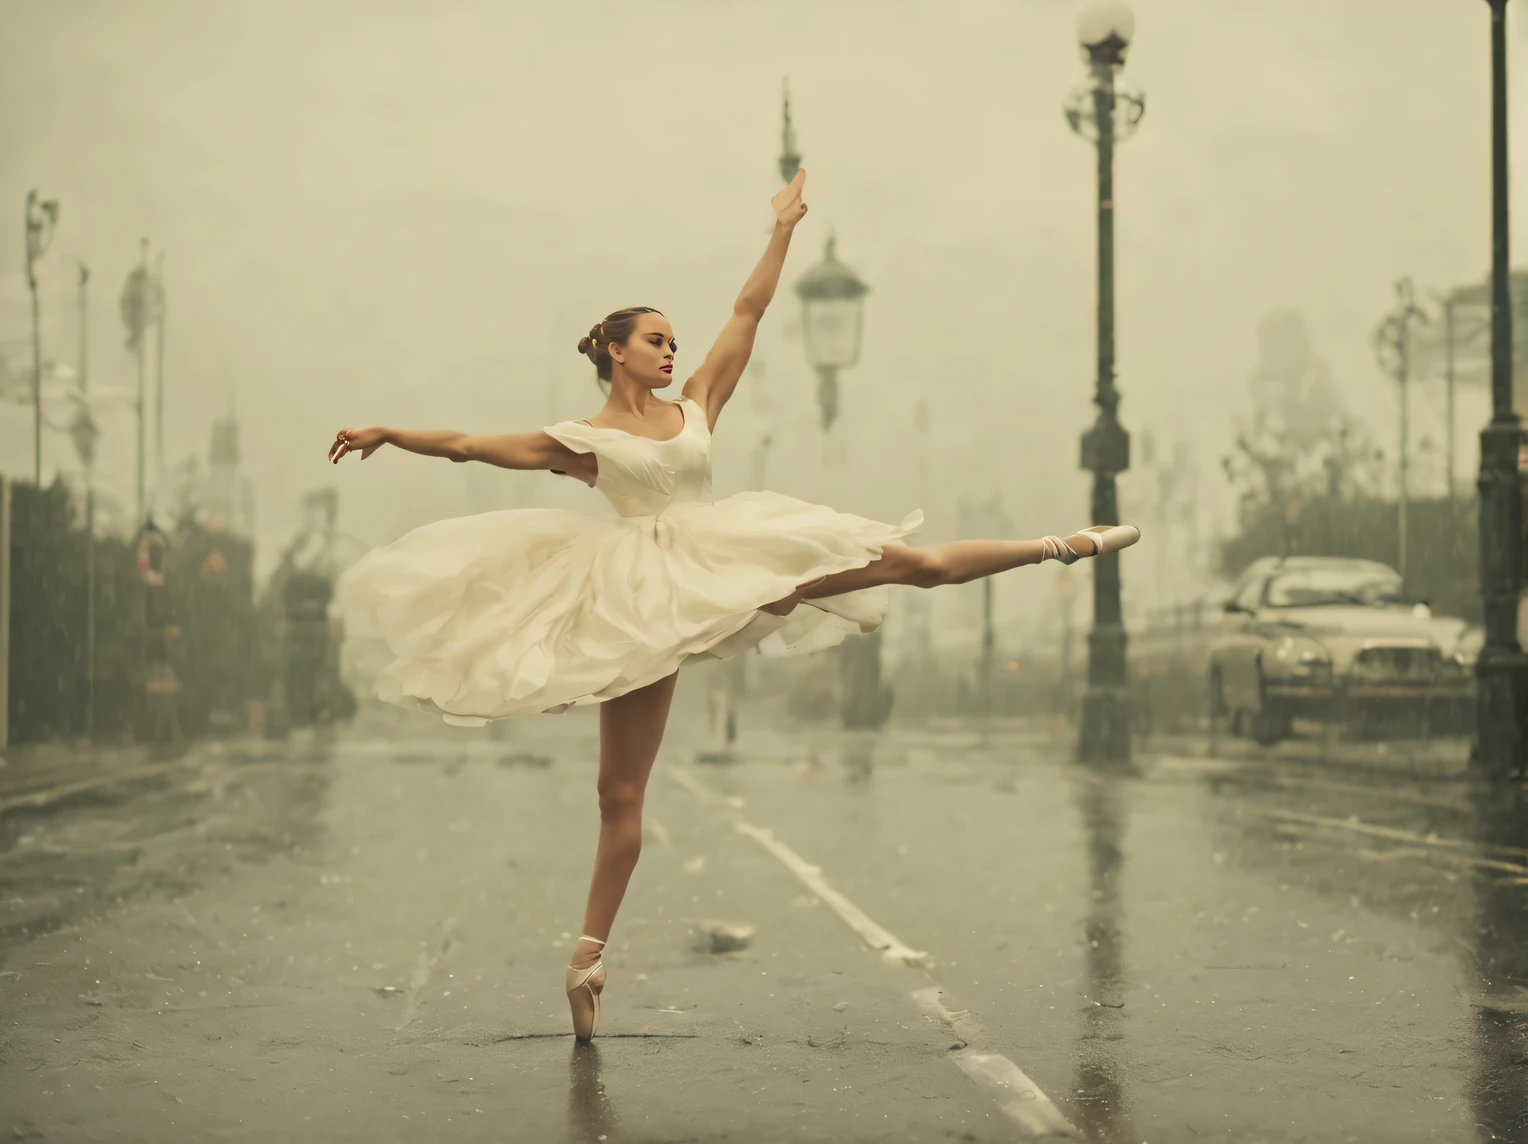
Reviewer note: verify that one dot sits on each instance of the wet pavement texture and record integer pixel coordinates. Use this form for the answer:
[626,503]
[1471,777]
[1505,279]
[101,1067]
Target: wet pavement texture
[937,933]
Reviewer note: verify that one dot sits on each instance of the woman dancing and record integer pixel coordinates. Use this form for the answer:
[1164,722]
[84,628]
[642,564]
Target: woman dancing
[539,610]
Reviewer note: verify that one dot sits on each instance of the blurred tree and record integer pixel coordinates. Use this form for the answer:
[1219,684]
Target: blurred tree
[1292,393]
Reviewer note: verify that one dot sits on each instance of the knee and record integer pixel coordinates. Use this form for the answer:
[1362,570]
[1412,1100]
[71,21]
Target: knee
[928,568]
[620,802]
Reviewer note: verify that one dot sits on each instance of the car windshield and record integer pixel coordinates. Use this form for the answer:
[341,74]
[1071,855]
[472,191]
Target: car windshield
[1307,587]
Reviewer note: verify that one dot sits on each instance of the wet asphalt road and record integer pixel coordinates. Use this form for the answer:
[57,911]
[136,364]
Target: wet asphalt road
[958,935]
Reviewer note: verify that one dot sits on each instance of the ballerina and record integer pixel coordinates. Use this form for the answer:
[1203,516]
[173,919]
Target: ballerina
[540,610]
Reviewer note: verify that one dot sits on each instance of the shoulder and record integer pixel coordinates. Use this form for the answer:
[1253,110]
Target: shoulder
[695,397]
[575,435]
[575,451]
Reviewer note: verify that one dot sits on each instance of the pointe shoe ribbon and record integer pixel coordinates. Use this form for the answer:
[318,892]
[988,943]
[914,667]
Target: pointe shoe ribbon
[1105,537]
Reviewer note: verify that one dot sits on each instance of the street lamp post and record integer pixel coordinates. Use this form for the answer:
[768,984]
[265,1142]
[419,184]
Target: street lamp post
[85,432]
[1501,670]
[159,312]
[1105,111]
[41,218]
[1393,344]
[832,309]
[790,155]
[141,304]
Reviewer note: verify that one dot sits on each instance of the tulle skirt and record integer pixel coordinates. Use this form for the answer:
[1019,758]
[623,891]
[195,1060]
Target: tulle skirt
[539,610]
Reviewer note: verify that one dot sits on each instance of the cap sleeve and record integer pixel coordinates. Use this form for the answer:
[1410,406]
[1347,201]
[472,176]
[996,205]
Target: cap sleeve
[575,435]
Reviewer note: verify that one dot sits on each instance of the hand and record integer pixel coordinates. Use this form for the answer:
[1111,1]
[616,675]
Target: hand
[787,203]
[363,441]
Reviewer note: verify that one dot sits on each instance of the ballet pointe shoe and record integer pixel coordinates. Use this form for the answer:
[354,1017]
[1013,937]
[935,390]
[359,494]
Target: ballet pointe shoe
[1105,537]
[584,987]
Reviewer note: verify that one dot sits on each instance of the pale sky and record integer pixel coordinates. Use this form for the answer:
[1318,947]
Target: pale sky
[408,213]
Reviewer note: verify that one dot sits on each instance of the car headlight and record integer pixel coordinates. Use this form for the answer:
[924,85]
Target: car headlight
[1301,657]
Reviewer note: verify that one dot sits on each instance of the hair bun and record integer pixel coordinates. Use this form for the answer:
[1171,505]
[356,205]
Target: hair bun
[584,346]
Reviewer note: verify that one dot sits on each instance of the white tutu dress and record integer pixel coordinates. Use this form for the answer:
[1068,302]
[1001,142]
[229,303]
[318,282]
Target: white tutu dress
[538,610]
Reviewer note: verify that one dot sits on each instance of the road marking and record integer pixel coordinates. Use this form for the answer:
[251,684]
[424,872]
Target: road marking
[657,830]
[427,960]
[51,794]
[1022,1101]
[1393,833]
[1026,1103]
[892,948]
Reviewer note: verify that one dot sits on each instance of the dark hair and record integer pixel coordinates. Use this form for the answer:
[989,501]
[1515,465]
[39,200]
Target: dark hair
[616,327]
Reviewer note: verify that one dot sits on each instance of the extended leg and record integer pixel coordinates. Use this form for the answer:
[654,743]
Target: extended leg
[958,562]
[631,729]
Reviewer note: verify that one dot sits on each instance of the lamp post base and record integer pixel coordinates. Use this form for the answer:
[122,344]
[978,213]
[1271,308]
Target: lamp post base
[1501,698]
[1104,734]
[1501,670]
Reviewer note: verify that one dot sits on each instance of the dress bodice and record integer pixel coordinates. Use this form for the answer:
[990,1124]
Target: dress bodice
[641,476]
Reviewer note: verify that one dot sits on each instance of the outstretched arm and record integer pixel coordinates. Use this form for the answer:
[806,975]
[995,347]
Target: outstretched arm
[538,450]
[712,384]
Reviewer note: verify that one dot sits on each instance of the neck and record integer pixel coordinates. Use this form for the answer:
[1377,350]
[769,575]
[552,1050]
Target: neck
[628,399]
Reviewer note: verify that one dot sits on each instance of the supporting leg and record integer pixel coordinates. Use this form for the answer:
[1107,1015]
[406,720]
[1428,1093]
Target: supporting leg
[631,730]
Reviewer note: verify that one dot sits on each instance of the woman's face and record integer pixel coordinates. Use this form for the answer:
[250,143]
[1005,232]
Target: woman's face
[647,358]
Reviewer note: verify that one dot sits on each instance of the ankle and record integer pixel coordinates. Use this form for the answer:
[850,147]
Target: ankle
[585,953]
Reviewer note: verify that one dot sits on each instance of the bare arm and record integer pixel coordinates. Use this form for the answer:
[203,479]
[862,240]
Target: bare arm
[538,450]
[712,384]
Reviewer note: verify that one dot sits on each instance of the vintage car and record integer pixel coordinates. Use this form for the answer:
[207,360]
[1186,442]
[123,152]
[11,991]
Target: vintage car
[1334,639]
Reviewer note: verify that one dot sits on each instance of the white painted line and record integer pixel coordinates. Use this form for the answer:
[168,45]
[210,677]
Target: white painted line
[423,965]
[1393,833]
[692,785]
[51,794]
[657,830]
[891,947]
[1026,1104]
[1022,1100]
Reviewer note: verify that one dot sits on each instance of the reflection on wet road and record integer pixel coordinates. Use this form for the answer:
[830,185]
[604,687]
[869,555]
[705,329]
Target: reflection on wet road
[933,933]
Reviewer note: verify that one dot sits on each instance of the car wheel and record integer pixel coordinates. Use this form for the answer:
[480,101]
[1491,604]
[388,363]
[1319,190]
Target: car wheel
[1215,701]
[1268,727]
[1238,723]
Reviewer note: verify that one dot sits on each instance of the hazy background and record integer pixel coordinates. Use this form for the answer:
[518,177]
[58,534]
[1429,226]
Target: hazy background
[408,213]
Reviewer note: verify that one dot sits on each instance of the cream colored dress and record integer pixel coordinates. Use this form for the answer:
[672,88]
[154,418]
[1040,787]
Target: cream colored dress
[538,610]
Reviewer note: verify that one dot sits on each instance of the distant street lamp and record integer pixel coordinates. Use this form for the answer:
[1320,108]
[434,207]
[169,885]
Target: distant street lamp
[1501,669]
[1103,110]
[790,156]
[142,305]
[832,311]
[85,433]
[832,307]
[41,219]
[1393,342]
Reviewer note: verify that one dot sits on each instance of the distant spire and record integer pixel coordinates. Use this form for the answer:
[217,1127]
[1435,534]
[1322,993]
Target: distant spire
[790,158]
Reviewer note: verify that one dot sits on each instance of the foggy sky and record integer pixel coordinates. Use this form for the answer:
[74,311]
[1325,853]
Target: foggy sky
[408,213]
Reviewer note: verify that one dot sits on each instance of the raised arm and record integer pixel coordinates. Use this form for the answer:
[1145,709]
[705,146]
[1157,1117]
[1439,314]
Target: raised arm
[712,384]
[538,450]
